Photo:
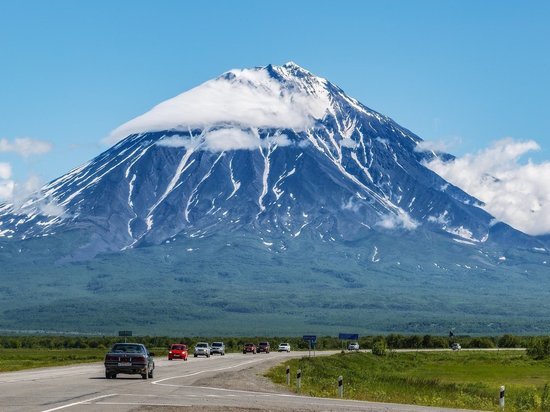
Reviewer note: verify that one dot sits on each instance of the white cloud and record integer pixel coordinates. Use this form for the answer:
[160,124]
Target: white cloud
[25,146]
[513,192]
[6,184]
[23,196]
[401,220]
[6,189]
[231,139]
[246,98]
[224,139]
[178,141]
[435,145]
[5,170]
[349,143]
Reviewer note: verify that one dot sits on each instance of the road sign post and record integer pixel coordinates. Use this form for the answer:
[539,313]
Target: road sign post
[312,340]
[288,375]
[341,386]
[125,333]
[298,380]
[501,398]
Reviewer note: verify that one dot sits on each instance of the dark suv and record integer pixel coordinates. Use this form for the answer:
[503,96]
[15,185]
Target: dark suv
[263,347]
[129,358]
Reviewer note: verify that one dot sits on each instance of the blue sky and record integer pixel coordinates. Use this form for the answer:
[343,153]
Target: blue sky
[466,73]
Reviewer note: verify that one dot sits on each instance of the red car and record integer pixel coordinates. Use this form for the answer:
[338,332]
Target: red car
[249,348]
[177,351]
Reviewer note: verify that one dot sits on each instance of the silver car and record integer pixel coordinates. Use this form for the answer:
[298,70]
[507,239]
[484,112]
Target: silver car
[202,349]
[217,347]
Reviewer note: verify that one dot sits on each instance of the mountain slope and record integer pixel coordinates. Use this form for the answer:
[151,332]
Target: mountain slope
[265,201]
[272,150]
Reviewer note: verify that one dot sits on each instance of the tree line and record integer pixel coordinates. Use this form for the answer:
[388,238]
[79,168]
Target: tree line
[540,344]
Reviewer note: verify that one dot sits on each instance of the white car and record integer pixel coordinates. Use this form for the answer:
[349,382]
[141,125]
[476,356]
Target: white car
[202,349]
[456,346]
[284,347]
[353,346]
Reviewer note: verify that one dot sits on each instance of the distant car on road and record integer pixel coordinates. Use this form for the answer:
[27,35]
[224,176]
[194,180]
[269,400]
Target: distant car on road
[353,346]
[202,349]
[456,346]
[178,351]
[129,358]
[284,347]
[217,347]
[249,348]
[263,347]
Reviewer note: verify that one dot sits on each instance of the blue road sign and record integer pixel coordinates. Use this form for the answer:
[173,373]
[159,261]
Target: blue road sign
[311,338]
[348,336]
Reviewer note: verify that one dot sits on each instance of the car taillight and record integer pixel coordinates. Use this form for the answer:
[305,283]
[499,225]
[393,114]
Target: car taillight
[111,358]
[139,359]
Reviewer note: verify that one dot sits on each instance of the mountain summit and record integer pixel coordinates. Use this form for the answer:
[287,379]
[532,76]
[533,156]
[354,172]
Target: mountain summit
[275,151]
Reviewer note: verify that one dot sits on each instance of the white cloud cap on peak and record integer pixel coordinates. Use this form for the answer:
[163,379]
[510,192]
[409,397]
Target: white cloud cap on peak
[247,98]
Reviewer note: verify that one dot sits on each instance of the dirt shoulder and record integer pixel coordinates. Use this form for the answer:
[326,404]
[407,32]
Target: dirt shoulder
[249,379]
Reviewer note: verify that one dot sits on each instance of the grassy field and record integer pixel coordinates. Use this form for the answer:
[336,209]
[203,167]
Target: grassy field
[18,359]
[469,380]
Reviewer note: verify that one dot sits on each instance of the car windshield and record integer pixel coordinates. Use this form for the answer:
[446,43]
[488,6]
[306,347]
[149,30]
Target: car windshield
[127,348]
[264,343]
[217,344]
[179,347]
[202,345]
[283,344]
[248,344]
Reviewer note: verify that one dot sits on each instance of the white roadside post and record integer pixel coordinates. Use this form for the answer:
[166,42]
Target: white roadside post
[298,379]
[501,399]
[340,386]
[288,375]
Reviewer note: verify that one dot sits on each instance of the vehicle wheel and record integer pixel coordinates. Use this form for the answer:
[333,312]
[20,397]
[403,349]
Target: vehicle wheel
[195,356]
[150,374]
[207,356]
[144,375]
[185,359]
[107,375]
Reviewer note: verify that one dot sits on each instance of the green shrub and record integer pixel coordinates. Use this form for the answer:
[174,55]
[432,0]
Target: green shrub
[379,348]
[539,348]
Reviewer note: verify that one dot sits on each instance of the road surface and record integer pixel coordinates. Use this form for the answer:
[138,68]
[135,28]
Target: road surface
[177,386]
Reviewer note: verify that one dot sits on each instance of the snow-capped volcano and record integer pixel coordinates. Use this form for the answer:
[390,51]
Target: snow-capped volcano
[275,151]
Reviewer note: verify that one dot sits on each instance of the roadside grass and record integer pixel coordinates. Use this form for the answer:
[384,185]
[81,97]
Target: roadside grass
[19,359]
[466,379]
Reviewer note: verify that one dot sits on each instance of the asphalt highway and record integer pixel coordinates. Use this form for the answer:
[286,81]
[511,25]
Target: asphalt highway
[174,388]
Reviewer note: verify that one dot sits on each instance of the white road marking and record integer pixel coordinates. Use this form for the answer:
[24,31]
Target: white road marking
[145,404]
[80,403]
